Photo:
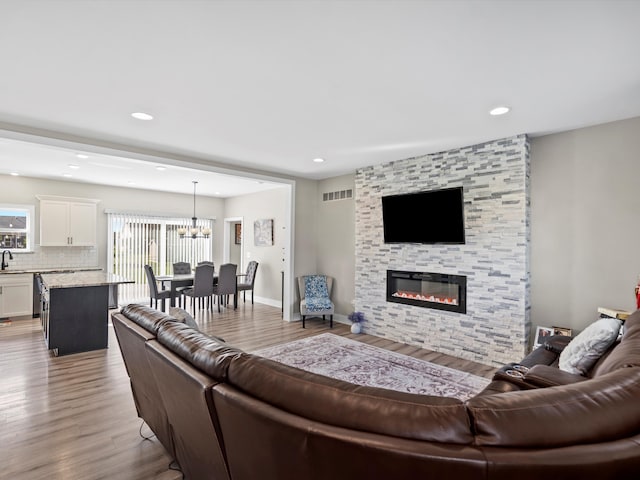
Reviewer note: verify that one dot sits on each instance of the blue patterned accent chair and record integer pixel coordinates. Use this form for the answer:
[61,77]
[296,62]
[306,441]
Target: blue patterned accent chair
[315,297]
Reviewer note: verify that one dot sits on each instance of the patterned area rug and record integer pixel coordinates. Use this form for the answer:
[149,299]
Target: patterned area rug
[339,357]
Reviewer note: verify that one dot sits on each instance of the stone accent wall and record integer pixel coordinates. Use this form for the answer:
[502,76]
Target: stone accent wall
[495,258]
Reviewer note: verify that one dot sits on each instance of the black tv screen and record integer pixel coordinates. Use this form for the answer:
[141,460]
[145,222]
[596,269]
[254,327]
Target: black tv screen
[435,216]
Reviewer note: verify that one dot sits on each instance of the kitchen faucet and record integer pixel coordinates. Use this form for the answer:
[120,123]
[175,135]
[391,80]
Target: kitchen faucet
[4,264]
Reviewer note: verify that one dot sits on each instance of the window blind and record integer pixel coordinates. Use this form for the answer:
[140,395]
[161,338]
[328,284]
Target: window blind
[136,240]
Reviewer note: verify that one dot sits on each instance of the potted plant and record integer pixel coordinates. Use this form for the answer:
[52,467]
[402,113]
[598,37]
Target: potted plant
[356,319]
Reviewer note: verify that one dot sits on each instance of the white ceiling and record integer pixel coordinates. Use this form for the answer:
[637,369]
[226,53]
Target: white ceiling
[271,85]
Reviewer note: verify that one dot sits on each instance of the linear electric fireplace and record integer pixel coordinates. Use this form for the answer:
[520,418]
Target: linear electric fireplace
[430,290]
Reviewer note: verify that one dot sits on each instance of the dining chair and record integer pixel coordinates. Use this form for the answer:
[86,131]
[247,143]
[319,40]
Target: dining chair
[154,293]
[202,287]
[315,297]
[227,285]
[181,268]
[248,281]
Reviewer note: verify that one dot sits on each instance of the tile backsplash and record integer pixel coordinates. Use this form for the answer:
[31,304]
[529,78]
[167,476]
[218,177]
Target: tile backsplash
[55,257]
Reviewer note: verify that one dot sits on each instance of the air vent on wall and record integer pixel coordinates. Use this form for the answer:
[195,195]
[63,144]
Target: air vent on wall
[340,195]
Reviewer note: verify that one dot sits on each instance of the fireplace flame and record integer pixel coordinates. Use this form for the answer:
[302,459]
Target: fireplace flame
[425,298]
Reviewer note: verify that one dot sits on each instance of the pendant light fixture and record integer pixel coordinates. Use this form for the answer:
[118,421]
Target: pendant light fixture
[194,231]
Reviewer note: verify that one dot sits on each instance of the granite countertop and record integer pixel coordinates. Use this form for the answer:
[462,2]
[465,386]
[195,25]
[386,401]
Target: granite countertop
[81,279]
[50,270]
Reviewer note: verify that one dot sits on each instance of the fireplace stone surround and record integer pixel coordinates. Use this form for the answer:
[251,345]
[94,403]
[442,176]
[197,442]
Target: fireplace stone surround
[495,258]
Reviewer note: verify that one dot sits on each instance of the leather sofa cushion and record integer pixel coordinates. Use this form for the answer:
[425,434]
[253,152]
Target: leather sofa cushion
[148,318]
[207,354]
[346,405]
[597,410]
[557,343]
[627,353]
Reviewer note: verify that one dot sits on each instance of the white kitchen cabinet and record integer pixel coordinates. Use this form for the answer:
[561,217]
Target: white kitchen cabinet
[67,221]
[16,295]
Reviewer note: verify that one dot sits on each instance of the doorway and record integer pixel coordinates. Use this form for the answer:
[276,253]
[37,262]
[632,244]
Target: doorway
[233,248]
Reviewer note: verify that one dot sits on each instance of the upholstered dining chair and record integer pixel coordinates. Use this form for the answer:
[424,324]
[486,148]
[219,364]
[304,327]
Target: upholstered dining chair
[227,284]
[206,262]
[154,293]
[202,287]
[315,297]
[181,268]
[248,280]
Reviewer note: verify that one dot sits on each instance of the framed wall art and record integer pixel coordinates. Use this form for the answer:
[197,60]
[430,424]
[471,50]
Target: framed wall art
[263,232]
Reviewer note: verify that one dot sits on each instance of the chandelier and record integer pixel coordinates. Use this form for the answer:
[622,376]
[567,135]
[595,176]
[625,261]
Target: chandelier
[194,231]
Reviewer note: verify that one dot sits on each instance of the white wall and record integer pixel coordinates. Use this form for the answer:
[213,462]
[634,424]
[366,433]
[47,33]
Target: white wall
[263,205]
[584,223]
[306,235]
[336,241]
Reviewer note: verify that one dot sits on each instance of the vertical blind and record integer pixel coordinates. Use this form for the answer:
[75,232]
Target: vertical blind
[136,240]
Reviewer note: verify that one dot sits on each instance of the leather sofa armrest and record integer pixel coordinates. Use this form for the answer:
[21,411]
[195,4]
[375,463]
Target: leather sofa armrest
[547,376]
[557,343]
[513,373]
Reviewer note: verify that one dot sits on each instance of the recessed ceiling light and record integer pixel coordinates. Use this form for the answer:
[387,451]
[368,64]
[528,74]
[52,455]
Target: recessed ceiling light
[142,116]
[131,182]
[499,110]
[160,168]
[15,174]
[82,155]
[217,193]
[73,166]
[67,175]
[318,160]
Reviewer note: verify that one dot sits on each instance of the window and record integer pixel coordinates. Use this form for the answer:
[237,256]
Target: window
[136,240]
[16,227]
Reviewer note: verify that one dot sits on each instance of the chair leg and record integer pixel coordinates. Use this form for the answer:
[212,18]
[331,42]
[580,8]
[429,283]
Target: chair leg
[219,302]
[331,321]
[303,321]
[252,296]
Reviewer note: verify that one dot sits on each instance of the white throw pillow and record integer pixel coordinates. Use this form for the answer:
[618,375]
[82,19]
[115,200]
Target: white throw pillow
[586,348]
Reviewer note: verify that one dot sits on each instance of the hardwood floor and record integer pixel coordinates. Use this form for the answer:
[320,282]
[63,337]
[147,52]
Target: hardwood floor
[73,417]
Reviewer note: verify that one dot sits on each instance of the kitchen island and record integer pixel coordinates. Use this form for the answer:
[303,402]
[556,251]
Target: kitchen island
[75,310]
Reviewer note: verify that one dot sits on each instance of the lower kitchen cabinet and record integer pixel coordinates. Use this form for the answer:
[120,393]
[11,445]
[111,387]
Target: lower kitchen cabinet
[16,295]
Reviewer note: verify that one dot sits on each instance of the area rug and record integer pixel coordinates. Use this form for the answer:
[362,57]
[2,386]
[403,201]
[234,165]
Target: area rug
[356,362]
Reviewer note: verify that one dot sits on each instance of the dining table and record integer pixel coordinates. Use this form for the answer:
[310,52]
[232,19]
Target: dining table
[176,281]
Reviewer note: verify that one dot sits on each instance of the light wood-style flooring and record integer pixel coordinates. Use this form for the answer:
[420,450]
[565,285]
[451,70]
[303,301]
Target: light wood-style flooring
[73,417]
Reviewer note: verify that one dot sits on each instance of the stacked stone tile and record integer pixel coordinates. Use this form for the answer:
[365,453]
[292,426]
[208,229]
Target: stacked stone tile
[495,257]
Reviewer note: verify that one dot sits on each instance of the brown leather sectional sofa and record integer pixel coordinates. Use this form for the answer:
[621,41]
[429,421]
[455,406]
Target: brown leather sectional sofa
[226,414]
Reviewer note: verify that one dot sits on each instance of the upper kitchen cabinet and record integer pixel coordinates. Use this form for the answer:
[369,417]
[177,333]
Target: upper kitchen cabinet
[66,221]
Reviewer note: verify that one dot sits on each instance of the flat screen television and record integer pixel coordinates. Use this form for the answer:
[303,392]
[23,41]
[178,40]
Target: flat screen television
[435,216]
